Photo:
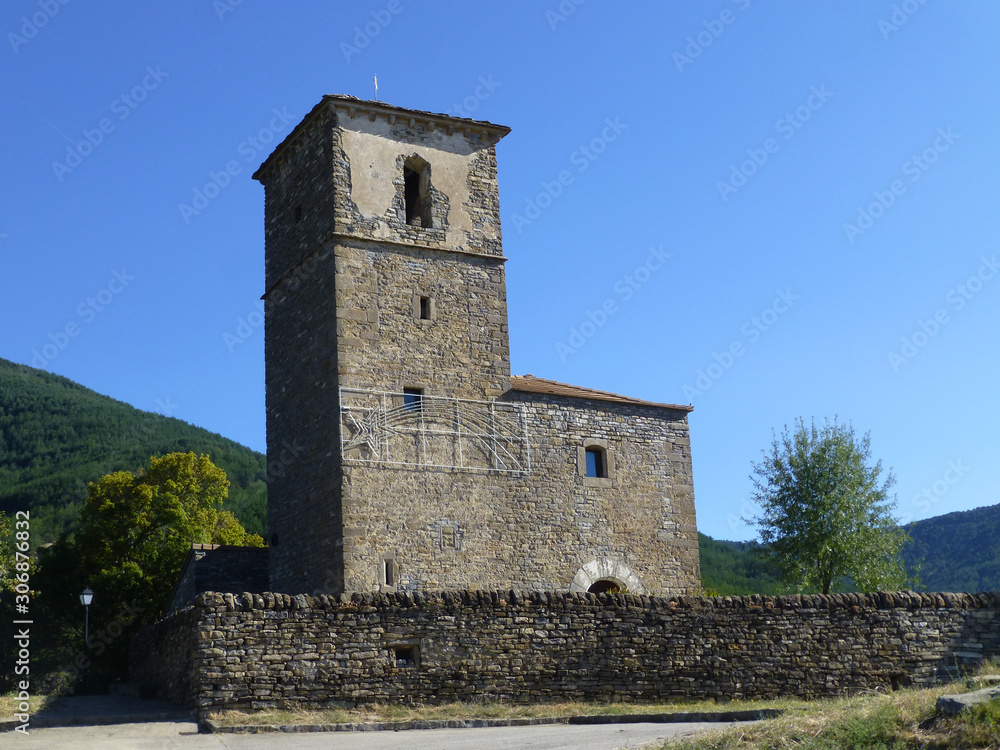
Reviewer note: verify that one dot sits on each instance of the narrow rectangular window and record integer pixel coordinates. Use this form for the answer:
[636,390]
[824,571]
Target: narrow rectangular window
[411,195]
[417,200]
[425,308]
[413,399]
[390,573]
[595,463]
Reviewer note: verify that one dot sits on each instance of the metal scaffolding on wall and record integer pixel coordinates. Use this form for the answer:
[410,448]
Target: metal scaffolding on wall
[433,431]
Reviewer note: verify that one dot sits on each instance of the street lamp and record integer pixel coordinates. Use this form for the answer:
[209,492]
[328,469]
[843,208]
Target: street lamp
[86,597]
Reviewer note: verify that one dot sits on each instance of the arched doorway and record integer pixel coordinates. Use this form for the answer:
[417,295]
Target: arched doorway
[604,574]
[605,586]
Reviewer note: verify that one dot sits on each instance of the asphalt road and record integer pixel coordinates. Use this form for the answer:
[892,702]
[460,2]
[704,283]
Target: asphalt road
[183,736]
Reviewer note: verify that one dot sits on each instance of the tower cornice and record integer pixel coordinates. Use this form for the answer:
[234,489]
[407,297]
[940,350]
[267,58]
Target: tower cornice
[350,106]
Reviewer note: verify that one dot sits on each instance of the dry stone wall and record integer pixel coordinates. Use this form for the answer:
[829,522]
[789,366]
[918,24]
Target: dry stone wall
[257,651]
[162,655]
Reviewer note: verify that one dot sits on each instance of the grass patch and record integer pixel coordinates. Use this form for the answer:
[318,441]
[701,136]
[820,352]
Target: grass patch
[866,722]
[905,720]
[382,712]
[10,705]
[980,725]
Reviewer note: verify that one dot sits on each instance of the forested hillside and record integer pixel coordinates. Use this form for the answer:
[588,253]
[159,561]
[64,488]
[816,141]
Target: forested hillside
[955,552]
[958,551]
[57,436]
[732,569]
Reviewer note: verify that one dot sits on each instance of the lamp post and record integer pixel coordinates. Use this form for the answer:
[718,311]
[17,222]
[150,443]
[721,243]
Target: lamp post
[86,597]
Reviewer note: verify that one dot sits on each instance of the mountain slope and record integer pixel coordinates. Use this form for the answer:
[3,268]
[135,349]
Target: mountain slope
[958,551]
[732,569]
[56,436]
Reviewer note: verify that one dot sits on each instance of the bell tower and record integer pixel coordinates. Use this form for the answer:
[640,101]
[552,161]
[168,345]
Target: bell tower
[384,285]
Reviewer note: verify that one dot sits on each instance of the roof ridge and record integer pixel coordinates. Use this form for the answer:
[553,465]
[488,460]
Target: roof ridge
[532,384]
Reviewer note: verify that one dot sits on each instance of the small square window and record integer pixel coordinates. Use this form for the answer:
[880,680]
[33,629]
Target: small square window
[404,656]
[424,308]
[413,399]
[596,463]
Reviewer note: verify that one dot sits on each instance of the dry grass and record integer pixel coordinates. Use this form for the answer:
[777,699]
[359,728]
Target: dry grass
[886,722]
[906,720]
[874,721]
[383,712]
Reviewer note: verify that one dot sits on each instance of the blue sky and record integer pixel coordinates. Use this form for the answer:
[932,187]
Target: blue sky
[769,210]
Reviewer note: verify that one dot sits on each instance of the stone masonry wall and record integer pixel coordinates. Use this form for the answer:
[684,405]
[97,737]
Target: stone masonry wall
[301,363]
[303,441]
[462,352]
[642,515]
[275,650]
[455,529]
[163,655]
[212,567]
[371,148]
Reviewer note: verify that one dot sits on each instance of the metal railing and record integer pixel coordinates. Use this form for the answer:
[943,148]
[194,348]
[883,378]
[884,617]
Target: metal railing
[433,431]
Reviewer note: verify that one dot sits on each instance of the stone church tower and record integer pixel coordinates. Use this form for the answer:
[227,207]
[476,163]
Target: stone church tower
[402,454]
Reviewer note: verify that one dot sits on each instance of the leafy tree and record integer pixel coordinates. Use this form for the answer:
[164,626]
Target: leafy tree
[136,529]
[825,515]
[8,581]
[7,564]
[135,533]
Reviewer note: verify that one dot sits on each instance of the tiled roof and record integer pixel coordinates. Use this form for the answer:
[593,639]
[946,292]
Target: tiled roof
[531,384]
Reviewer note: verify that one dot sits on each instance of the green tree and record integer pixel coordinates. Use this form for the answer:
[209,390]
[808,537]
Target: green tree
[137,529]
[8,584]
[135,533]
[825,514]
[7,563]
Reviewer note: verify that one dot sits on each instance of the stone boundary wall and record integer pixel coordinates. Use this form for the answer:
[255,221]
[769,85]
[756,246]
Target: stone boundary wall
[255,651]
[214,567]
[162,656]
